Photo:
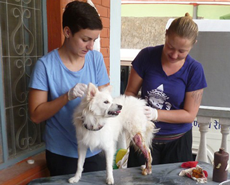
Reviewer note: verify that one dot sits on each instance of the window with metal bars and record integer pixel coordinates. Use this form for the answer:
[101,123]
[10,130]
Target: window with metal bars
[21,44]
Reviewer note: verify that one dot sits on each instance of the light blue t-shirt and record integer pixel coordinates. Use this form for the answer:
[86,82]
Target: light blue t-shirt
[50,74]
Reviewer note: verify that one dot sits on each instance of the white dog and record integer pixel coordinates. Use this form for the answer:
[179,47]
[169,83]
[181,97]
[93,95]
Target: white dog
[99,120]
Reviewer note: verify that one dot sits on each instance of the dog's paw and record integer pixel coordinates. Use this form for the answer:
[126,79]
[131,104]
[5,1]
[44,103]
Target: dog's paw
[146,171]
[110,180]
[74,180]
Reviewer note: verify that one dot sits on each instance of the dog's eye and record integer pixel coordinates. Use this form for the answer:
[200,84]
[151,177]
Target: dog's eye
[106,102]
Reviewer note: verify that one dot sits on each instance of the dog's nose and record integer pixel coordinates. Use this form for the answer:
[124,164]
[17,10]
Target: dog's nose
[120,107]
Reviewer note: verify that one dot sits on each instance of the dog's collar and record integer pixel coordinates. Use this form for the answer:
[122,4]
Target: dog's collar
[83,121]
[93,129]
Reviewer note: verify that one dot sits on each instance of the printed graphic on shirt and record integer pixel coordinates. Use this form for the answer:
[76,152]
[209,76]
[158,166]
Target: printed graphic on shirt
[156,98]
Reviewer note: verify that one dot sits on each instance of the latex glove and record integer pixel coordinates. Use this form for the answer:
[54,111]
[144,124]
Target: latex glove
[77,91]
[151,113]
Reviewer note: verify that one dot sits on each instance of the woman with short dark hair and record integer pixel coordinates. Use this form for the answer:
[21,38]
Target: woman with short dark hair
[58,82]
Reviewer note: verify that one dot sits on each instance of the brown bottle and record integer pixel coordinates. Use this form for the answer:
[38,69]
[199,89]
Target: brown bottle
[220,171]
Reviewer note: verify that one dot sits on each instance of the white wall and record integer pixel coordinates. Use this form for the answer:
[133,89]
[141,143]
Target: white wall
[115,43]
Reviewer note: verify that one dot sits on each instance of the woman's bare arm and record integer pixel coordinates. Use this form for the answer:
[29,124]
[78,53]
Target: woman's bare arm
[134,83]
[186,115]
[39,107]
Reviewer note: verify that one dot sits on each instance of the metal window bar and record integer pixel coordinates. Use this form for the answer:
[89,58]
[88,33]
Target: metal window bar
[23,33]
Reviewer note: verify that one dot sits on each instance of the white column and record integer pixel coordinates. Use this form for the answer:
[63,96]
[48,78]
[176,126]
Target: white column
[225,124]
[203,128]
[115,46]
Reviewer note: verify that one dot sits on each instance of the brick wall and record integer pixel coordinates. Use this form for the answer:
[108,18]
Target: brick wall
[103,7]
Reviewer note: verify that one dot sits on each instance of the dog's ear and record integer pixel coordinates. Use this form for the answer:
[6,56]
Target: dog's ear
[91,92]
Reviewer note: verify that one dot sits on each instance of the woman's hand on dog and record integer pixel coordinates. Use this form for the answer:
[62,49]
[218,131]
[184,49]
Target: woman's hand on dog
[151,113]
[77,91]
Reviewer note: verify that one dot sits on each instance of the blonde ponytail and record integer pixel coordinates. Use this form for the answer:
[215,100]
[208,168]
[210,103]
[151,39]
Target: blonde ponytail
[188,15]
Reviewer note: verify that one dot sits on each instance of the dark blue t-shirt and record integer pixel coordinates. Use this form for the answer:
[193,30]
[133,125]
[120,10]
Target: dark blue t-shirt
[167,92]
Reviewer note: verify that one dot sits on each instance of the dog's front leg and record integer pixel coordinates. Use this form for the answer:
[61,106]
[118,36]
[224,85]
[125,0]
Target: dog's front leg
[109,165]
[81,159]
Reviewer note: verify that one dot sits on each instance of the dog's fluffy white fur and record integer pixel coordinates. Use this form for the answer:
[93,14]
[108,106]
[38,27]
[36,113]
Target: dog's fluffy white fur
[100,119]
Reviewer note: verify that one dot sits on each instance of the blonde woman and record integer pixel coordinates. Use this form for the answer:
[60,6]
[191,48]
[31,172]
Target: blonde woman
[172,83]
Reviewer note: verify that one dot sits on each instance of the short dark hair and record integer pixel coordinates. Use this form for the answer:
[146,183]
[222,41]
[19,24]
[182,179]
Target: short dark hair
[80,15]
